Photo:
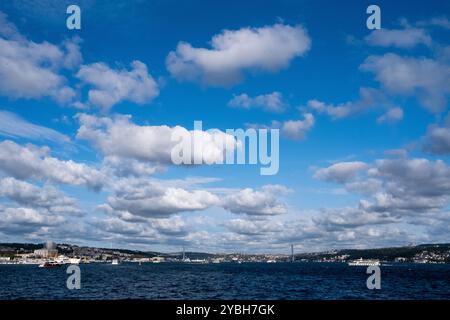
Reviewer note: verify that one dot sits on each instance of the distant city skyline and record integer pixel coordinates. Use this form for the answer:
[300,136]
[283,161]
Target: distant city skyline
[87,116]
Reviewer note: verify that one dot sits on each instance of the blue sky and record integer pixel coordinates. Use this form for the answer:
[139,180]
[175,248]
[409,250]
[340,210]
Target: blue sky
[86,115]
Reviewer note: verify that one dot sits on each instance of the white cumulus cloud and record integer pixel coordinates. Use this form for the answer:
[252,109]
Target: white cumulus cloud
[112,86]
[425,78]
[272,102]
[296,129]
[122,138]
[341,172]
[31,162]
[234,52]
[263,202]
[32,70]
[402,38]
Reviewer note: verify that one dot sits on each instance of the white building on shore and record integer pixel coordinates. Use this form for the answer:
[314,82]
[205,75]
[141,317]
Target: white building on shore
[49,251]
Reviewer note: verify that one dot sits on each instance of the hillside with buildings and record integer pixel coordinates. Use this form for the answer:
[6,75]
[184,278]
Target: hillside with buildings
[34,253]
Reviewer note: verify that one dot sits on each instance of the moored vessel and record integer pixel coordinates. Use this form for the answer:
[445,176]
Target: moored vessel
[364,262]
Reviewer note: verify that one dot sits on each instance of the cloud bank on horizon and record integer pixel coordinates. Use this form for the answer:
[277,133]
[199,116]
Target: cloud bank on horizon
[86,119]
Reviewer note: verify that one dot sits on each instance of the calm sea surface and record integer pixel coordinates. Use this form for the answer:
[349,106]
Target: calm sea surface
[226,281]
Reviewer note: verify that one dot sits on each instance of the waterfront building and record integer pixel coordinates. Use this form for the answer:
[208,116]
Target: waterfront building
[48,251]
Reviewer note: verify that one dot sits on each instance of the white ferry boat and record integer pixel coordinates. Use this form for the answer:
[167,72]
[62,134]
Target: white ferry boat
[115,262]
[199,261]
[66,260]
[74,261]
[364,262]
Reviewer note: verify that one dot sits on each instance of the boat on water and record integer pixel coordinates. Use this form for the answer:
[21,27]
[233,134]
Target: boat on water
[271,261]
[364,262]
[115,262]
[50,264]
[199,261]
[66,260]
[74,261]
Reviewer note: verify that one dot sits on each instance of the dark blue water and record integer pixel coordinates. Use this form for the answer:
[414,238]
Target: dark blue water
[226,281]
